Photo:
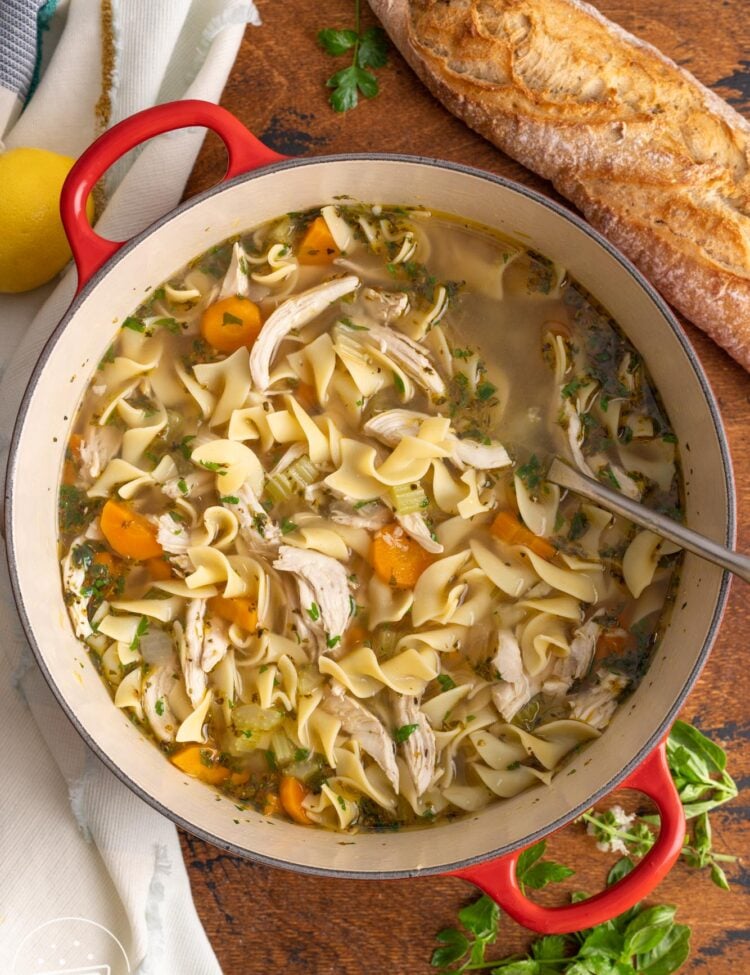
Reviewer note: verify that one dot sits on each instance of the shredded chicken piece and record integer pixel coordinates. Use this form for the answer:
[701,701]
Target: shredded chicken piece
[215,643]
[370,517]
[565,670]
[363,726]
[261,534]
[196,483]
[596,704]
[74,577]
[420,749]
[384,306]
[326,580]
[407,354]
[391,426]
[416,527]
[294,313]
[157,686]
[98,447]
[518,687]
[173,536]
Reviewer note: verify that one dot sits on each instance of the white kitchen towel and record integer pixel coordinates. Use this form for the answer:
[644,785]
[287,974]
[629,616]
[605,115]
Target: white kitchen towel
[91,878]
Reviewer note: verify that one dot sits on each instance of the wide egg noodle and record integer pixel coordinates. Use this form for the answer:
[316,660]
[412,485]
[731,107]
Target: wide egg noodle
[361,673]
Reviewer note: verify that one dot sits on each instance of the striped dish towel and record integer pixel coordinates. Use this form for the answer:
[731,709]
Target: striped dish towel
[91,878]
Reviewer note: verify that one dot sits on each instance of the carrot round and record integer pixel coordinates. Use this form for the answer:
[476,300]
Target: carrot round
[291,794]
[239,610]
[317,246]
[72,459]
[129,534]
[509,529]
[397,558]
[231,323]
[611,643]
[159,569]
[202,763]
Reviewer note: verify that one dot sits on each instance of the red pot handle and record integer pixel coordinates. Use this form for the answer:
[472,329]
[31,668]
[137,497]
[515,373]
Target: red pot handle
[498,877]
[245,152]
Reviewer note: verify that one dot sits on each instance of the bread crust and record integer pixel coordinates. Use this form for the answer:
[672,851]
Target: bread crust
[652,158]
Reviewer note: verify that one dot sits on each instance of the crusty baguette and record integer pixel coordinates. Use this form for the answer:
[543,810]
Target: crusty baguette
[653,159]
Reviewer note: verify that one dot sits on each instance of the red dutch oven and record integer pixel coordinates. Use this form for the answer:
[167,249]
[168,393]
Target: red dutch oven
[259,185]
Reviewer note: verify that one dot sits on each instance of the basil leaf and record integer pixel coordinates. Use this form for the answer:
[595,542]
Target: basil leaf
[669,955]
[621,869]
[646,930]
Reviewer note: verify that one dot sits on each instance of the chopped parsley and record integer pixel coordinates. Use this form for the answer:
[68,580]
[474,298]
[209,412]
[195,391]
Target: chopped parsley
[229,319]
[212,465]
[446,682]
[332,641]
[578,525]
[404,732]
[313,612]
[159,706]
[182,486]
[398,382]
[229,499]
[287,526]
[530,474]
[485,391]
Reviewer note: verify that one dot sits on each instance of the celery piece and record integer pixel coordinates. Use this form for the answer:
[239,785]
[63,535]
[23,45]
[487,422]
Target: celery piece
[408,498]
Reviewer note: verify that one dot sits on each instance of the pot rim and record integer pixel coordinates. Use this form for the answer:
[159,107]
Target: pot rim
[508,184]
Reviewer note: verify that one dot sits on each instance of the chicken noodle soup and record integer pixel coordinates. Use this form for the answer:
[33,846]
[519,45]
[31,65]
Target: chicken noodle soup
[306,531]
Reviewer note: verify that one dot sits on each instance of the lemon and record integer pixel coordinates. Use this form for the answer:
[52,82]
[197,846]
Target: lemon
[33,245]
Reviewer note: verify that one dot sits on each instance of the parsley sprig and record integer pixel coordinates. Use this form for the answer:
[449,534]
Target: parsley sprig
[369,50]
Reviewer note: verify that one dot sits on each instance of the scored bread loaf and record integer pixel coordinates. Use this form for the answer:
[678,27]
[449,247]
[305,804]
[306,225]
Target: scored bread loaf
[657,162]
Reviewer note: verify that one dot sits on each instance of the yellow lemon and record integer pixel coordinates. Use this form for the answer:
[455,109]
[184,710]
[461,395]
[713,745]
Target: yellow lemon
[33,245]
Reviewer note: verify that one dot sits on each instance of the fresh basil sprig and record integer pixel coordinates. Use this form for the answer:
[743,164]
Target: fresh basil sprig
[643,941]
[369,50]
[699,770]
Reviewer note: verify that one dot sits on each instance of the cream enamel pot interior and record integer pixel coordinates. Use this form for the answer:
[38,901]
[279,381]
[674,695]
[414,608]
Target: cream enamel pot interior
[113,280]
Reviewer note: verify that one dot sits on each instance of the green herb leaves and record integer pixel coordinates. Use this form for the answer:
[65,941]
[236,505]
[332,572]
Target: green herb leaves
[536,873]
[643,940]
[698,768]
[369,49]
[404,732]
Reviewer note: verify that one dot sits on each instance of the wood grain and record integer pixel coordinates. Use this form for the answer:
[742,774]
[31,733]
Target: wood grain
[262,920]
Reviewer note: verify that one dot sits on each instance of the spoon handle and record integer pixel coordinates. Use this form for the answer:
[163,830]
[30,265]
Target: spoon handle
[567,477]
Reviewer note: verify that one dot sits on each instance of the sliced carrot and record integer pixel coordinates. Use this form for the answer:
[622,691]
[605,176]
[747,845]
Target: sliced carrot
[72,457]
[239,610]
[231,323]
[397,558]
[239,778]
[130,535]
[611,643]
[202,763]
[509,529]
[159,569]
[317,246]
[291,794]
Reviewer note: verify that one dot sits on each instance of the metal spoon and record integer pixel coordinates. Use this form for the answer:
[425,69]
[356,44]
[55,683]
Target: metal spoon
[567,477]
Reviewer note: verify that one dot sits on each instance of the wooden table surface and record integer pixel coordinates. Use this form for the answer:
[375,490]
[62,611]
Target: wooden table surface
[265,920]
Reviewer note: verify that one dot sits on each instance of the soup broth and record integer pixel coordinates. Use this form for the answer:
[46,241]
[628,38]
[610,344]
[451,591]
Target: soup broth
[306,533]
